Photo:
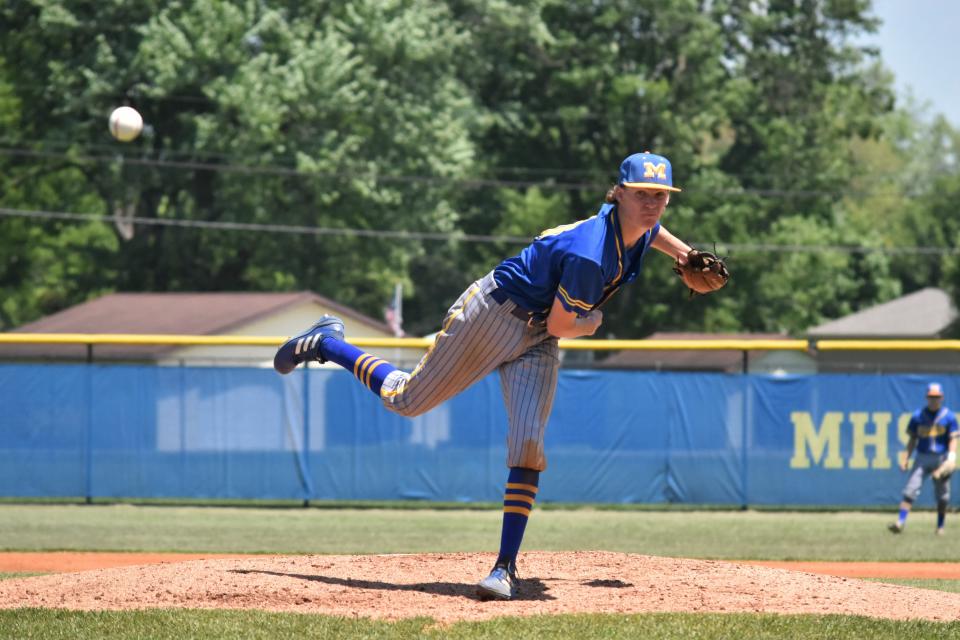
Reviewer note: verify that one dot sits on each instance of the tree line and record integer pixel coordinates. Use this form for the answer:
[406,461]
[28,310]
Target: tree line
[371,119]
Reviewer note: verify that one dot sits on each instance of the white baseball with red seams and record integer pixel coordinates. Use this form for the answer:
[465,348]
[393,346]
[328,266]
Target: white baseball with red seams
[125,124]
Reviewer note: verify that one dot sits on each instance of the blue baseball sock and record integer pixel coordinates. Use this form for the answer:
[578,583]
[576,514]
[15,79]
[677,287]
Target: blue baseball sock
[368,369]
[941,514]
[517,502]
[902,518]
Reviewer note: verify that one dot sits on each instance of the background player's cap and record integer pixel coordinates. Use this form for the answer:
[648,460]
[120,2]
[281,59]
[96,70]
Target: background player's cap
[647,170]
[934,390]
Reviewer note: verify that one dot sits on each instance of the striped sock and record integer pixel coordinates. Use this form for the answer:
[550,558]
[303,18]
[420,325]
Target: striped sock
[517,503]
[369,369]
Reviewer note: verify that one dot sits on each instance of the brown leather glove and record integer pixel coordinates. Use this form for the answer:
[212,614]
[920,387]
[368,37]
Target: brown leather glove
[703,272]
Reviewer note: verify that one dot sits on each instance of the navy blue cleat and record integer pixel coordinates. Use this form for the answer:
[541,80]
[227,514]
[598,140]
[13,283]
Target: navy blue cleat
[306,346]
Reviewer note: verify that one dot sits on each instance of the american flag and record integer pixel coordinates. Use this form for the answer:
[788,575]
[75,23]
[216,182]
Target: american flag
[393,313]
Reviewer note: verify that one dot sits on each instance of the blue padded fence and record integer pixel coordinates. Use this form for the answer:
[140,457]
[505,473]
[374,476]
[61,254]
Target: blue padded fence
[615,436]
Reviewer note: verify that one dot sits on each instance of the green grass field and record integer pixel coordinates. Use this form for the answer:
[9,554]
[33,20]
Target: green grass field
[940,585]
[180,625]
[735,535]
[698,534]
[5,576]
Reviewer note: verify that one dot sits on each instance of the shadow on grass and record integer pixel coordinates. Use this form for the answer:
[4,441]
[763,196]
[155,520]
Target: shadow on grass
[527,589]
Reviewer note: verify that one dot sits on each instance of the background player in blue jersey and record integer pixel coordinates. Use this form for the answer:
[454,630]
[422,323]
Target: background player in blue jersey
[933,432]
[509,321]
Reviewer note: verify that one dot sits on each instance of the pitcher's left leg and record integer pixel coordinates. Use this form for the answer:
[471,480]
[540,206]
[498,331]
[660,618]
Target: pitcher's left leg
[529,384]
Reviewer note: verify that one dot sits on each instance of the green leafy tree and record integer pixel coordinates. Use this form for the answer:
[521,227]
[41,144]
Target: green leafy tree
[353,105]
[754,104]
[463,117]
[44,265]
[904,195]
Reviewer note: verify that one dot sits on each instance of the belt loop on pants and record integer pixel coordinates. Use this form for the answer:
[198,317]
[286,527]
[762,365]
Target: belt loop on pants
[532,318]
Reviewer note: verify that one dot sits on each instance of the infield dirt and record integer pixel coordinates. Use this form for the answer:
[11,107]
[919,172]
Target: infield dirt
[441,586]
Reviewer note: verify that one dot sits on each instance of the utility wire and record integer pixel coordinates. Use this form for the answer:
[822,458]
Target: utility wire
[455,236]
[288,171]
[474,183]
[264,228]
[8,147]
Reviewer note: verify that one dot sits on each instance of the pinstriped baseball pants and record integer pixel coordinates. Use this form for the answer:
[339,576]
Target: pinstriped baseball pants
[925,464]
[478,336]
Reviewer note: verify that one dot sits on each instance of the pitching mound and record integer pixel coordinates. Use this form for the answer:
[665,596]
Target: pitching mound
[442,587]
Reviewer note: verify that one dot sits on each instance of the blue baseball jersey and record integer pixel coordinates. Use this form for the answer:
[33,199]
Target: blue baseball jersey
[582,264]
[933,430]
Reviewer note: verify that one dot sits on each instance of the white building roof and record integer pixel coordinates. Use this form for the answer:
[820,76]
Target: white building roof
[922,314]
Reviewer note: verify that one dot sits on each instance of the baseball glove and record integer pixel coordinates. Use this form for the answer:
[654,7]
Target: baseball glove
[944,471]
[703,272]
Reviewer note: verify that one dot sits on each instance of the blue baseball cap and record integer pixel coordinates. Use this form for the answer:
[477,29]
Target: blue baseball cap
[648,171]
[934,390]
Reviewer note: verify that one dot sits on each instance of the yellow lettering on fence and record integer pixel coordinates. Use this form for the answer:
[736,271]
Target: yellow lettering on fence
[877,440]
[806,435]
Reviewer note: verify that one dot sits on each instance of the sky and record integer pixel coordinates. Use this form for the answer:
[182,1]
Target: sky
[920,43]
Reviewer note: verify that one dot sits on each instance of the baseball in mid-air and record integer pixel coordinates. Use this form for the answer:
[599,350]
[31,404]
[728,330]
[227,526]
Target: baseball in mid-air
[125,123]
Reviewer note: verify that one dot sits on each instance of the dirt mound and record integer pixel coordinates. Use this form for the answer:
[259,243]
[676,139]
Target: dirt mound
[442,587]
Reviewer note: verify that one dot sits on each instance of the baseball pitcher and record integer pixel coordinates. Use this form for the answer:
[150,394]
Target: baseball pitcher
[509,321]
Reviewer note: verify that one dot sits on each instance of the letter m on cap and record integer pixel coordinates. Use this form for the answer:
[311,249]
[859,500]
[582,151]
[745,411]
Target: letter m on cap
[658,170]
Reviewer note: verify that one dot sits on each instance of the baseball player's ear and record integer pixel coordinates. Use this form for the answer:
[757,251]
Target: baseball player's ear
[668,199]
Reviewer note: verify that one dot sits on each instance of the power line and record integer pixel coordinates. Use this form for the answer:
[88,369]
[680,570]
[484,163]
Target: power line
[876,177]
[288,171]
[737,248]
[583,177]
[264,228]
[835,248]
[470,183]
[108,146]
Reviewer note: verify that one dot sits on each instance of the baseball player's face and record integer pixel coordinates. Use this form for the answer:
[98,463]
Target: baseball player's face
[934,402]
[644,204]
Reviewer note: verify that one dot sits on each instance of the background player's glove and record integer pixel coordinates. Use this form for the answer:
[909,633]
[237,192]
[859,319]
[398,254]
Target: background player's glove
[703,272]
[943,472]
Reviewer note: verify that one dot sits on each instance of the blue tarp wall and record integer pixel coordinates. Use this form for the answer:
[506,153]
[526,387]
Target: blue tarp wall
[615,436]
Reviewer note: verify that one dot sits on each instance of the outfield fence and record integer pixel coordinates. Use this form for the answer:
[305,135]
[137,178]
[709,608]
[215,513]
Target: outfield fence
[115,430]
